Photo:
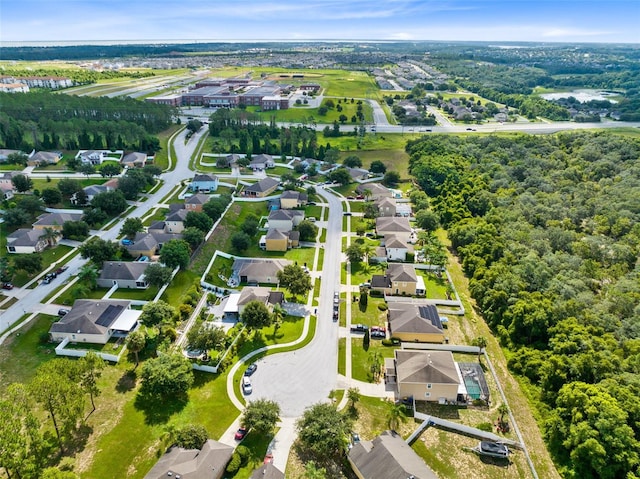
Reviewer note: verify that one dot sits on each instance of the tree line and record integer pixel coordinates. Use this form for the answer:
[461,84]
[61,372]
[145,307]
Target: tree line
[547,229]
[44,120]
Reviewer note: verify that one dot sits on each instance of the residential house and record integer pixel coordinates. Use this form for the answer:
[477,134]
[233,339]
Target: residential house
[277,240]
[415,322]
[267,471]
[44,158]
[262,188]
[209,462]
[292,199]
[55,220]
[26,240]
[92,157]
[386,206]
[6,186]
[173,223]
[196,202]
[228,161]
[261,294]
[134,160]
[396,249]
[358,174]
[393,225]
[150,243]
[256,270]
[261,162]
[204,183]
[96,321]
[5,153]
[399,279]
[125,274]
[284,220]
[92,191]
[14,88]
[388,456]
[374,191]
[425,375]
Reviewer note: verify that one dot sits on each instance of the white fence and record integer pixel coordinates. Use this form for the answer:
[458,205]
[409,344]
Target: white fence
[81,353]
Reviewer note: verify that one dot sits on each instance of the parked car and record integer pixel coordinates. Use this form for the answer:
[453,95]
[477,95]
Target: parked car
[62,269]
[63,312]
[365,285]
[348,213]
[268,458]
[359,197]
[336,314]
[336,297]
[378,333]
[126,242]
[251,369]
[240,433]
[247,388]
[351,197]
[7,286]
[359,328]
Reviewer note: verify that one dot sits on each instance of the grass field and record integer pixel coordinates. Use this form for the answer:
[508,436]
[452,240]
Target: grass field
[303,113]
[162,156]
[359,357]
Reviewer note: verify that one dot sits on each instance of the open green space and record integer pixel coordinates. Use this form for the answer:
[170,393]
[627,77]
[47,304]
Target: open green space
[113,346]
[290,330]
[395,159]
[162,156]
[137,294]
[342,356]
[179,286]
[360,357]
[25,350]
[302,113]
[361,272]
[369,315]
[435,287]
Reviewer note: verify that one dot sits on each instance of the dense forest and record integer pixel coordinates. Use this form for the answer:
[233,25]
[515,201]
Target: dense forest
[51,121]
[548,231]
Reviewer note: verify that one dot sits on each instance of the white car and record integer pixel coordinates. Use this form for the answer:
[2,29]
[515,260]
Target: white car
[247,388]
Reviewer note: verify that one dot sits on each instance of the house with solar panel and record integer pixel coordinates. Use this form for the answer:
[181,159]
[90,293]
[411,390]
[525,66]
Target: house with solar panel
[96,321]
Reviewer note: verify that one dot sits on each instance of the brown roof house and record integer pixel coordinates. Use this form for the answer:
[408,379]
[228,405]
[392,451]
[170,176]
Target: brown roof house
[393,225]
[376,191]
[44,158]
[388,456]
[425,375]
[150,243]
[134,160]
[209,462]
[396,248]
[292,199]
[26,240]
[267,471]
[196,202]
[55,220]
[125,274]
[262,188]
[399,279]
[278,240]
[386,206]
[259,293]
[96,321]
[259,270]
[285,220]
[415,322]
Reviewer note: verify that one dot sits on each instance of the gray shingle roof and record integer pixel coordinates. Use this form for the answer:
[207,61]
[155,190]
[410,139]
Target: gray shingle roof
[90,316]
[388,456]
[263,185]
[206,463]
[422,367]
[414,318]
[56,219]
[392,224]
[124,270]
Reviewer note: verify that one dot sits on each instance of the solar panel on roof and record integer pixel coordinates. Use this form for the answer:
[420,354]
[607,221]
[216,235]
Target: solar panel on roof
[109,316]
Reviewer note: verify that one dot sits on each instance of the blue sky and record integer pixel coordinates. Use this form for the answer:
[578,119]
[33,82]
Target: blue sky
[461,20]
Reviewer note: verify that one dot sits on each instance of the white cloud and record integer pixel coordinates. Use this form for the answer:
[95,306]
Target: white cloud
[573,32]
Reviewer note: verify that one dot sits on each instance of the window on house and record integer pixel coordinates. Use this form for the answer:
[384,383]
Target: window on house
[427,394]
[428,385]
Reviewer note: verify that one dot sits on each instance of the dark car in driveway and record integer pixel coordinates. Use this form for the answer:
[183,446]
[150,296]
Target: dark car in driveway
[251,369]
[359,328]
[7,286]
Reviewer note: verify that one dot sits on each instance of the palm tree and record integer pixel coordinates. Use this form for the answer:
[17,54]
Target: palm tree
[368,251]
[277,316]
[353,394]
[50,235]
[395,415]
[88,276]
[481,343]
[136,342]
[367,194]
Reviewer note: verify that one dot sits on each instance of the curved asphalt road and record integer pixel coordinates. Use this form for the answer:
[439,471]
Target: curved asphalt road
[298,379]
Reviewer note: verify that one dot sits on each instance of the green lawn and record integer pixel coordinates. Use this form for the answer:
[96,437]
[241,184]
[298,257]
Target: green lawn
[138,294]
[395,159]
[371,315]
[290,330]
[158,215]
[67,298]
[301,113]
[220,266]
[179,286]
[359,357]
[342,356]
[435,287]
[49,256]
[23,351]
[313,211]
[162,156]
[235,216]
[257,445]
[113,346]
[362,272]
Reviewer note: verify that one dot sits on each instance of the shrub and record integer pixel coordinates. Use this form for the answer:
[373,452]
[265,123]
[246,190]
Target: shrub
[234,463]
[244,453]
[485,426]
[383,306]
[387,342]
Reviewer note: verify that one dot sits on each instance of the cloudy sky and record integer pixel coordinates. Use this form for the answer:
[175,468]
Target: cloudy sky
[482,20]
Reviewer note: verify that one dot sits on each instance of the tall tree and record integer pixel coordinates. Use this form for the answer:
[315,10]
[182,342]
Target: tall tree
[90,369]
[21,183]
[157,275]
[167,375]
[261,416]
[175,253]
[396,414]
[323,431]
[295,279]
[50,235]
[131,226]
[256,315]
[136,342]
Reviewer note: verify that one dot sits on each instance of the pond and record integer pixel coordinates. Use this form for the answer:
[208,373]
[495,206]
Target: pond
[582,96]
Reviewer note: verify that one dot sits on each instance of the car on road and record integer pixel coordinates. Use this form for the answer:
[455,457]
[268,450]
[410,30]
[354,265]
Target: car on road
[62,269]
[240,433]
[7,286]
[251,369]
[365,285]
[351,197]
[247,388]
[336,297]
[359,328]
